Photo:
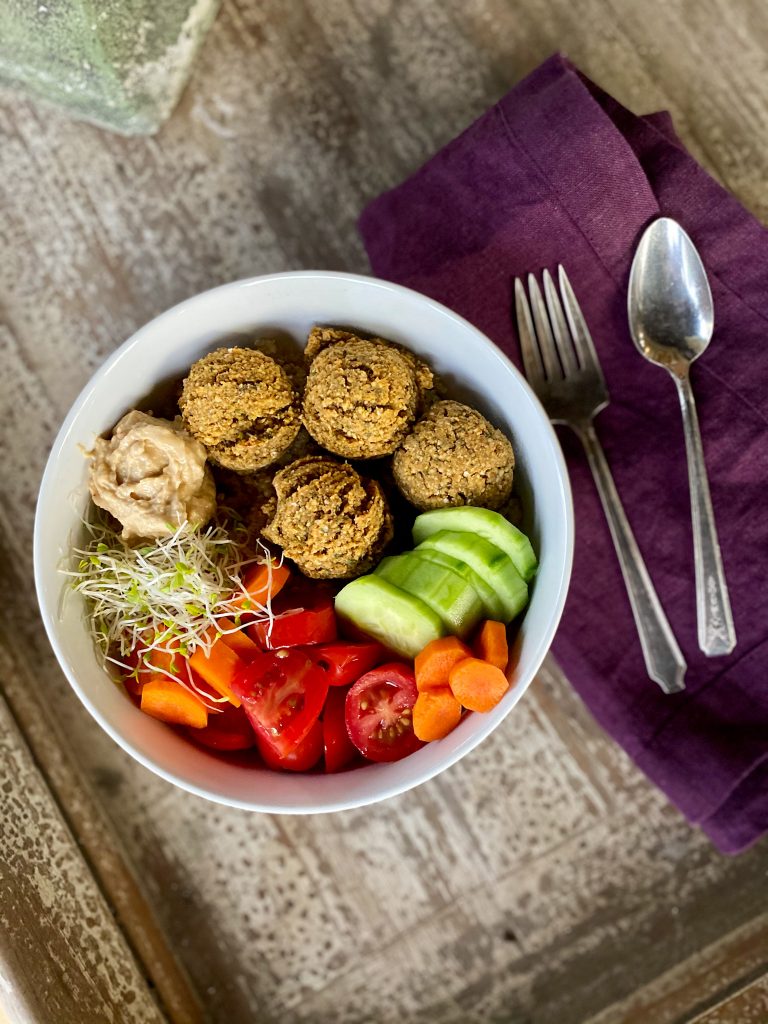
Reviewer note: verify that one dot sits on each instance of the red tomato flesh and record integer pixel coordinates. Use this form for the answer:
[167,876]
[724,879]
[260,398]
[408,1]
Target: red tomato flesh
[283,693]
[379,713]
[227,730]
[297,627]
[344,663]
[339,749]
[303,756]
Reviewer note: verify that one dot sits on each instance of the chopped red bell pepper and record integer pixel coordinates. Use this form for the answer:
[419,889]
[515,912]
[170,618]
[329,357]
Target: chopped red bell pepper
[228,729]
[315,624]
[344,663]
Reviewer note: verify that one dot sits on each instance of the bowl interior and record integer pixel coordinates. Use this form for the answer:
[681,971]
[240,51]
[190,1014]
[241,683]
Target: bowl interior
[291,304]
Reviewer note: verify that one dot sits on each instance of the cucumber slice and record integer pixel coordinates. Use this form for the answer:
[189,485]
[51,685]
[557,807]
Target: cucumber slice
[445,591]
[493,607]
[488,561]
[487,524]
[398,620]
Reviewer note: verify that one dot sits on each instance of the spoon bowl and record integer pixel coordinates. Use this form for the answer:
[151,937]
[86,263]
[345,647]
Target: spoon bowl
[671,316]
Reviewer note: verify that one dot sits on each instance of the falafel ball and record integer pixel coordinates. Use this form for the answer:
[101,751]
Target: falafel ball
[250,497]
[332,522]
[454,456]
[321,337]
[240,404]
[361,398]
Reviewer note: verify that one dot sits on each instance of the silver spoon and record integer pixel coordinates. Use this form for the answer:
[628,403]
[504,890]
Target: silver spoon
[671,320]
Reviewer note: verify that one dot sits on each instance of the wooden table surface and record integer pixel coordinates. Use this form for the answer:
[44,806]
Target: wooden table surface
[540,880]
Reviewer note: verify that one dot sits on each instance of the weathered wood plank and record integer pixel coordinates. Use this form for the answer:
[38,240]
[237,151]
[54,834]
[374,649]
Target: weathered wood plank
[736,963]
[750,1006]
[61,957]
[97,839]
[540,880]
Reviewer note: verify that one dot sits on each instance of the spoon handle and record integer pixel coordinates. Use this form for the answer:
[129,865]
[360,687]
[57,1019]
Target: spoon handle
[713,606]
[663,657]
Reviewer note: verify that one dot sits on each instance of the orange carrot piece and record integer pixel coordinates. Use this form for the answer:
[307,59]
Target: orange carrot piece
[476,685]
[262,583]
[164,699]
[237,639]
[162,663]
[435,713]
[433,664]
[207,694]
[491,644]
[218,668]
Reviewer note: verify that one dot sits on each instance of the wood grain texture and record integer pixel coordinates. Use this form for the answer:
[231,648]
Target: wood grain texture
[96,839]
[749,1006]
[542,879]
[734,967]
[61,958]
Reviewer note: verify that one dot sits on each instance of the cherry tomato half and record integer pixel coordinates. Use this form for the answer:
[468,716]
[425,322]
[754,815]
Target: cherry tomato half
[344,663]
[227,730]
[303,757]
[283,693]
[379,713]
[296,627]
[339,749]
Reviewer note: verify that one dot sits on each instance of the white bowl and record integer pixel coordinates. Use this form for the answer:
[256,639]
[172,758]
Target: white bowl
[292,303]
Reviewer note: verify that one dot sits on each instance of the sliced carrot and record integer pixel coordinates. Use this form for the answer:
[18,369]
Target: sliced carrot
[170,702]
[262,582]
[218,668]
[237,639]
[162,662]
[434,663]
[208,695]
[476,685]
[435,713]
[491,644]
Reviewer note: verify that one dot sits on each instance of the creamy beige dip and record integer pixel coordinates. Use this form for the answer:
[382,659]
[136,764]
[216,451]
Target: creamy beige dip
[151,476]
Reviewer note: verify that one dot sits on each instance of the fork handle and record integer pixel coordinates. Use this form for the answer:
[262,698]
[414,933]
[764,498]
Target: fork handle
[716,631]
[663,657]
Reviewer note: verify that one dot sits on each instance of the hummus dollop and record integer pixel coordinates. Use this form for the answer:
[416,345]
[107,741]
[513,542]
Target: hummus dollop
[151,475]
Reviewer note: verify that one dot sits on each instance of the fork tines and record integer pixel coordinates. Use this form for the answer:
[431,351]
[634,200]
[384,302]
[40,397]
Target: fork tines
[554,338]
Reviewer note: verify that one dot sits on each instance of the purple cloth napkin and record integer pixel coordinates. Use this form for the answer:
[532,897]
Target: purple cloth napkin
[557,171]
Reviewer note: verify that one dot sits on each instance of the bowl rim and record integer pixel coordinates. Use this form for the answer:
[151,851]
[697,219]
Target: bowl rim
[543,642]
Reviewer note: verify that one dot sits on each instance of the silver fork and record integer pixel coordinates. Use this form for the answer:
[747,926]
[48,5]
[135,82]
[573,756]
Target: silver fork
[562,367]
